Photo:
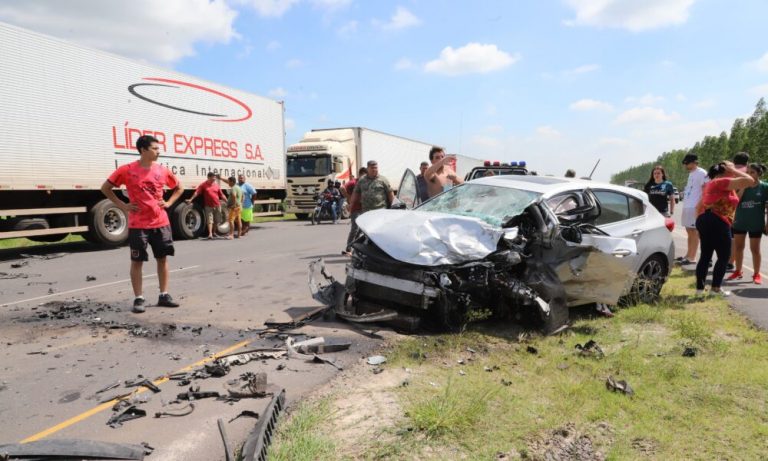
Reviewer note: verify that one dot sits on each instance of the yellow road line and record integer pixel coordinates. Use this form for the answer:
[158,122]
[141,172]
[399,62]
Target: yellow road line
[104,406]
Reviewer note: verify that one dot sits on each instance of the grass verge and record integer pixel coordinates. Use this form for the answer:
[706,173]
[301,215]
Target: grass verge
[300,436]
[24,243]
[482,393]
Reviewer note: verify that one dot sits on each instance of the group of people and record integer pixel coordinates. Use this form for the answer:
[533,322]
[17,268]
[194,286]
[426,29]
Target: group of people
[721,207]
[239,204]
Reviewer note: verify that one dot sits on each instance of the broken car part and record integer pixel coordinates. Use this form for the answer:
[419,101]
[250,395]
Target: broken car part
[590,349]
[376,360]
[129,414]
[246,414]
[322,345]
[619,386]
[194,394]
[248,385]
[257,443]
[293,353]
[69,449]
[183,411]
[228,456]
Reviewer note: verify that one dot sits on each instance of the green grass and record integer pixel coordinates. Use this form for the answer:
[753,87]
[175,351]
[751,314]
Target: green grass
[712,406]
[23,243]
[299,436]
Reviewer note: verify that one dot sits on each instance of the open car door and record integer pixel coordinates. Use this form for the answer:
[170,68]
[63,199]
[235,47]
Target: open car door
[407,193]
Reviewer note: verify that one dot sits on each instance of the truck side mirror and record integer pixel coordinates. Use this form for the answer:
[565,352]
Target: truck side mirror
[338,167]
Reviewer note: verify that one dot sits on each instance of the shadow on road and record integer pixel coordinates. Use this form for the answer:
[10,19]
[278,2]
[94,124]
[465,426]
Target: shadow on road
[753,293]
[46,250]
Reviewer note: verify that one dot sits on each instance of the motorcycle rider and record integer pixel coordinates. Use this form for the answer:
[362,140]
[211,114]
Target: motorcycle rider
[332,194]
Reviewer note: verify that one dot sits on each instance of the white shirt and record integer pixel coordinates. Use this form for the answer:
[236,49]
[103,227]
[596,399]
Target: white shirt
[693,189]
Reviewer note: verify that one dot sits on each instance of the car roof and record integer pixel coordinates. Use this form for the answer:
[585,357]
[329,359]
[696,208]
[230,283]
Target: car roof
[550,185]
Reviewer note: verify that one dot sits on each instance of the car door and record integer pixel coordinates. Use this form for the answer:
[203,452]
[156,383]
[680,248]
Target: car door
[624,216]
[407,193]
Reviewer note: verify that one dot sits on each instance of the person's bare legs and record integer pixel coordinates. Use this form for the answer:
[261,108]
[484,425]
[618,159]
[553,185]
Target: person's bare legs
[754,247]
[136,280]
[162,274]
[693,243]
[239,226]
[739,241]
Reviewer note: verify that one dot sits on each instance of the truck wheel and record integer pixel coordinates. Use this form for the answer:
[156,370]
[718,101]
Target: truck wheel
[302,216]
[108,223]
[25,224]
[188,221]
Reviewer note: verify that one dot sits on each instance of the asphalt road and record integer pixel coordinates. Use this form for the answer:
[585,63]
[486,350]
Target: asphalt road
[51,368]
[747,298]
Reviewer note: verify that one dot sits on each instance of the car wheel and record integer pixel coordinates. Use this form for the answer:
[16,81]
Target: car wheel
[650,279]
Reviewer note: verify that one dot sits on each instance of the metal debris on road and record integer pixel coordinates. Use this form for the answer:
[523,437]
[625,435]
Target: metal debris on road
[248,385]
[90,278]
[129,414]
[176,412]
[590,349]
[73,449]
[376,360]
[19,264]
[43,257]
[246,414]
[194,393]
[228,455]
[257,443]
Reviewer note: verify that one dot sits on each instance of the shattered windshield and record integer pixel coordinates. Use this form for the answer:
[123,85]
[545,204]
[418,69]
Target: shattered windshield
[492,204]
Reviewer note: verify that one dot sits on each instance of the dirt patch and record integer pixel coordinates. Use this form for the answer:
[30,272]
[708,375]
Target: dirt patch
[568,443]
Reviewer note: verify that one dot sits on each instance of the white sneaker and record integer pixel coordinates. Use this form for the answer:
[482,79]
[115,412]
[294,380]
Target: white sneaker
[700,292]
[721,293]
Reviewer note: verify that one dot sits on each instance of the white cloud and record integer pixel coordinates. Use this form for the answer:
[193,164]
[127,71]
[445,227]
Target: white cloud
[401,19]
[759,90]
[269,8]
[294,63]
[705,103]
[590,104]
[647,99]
[547,131]
[277,93]
[273,45]
[490,109]
[347,29]
[634,15]
[762,63]
[404,64]
[680,97]
[161,32]
[470,58]
[582,69]
[289,124]
[493,129]
[646,114]
[331,4]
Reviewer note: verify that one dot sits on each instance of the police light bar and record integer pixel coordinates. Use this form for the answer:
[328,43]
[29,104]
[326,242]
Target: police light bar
[487,163]
[512,163]
[521,163]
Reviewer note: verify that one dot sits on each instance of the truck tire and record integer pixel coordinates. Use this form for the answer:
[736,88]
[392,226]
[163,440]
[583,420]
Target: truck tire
[24,224]
[187,221]
[108,223]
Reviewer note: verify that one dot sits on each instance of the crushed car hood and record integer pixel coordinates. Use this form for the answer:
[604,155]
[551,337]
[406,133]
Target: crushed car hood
[428,238]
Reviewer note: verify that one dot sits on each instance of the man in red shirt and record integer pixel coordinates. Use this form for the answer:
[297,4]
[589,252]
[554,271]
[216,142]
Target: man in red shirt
[212,196]
[355,208]
[148,221]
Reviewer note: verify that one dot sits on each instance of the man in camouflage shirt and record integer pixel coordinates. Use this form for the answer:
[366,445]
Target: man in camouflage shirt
[372,191]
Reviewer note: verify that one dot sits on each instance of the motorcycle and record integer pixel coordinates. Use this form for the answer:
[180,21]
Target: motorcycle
[323,208]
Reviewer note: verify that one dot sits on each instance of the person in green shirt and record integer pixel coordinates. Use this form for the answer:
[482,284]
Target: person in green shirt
[751,219]
[235,205]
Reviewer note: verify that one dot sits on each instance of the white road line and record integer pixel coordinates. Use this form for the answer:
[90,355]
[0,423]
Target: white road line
[90,287]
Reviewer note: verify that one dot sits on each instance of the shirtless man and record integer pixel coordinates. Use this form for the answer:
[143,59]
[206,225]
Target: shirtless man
[440,176]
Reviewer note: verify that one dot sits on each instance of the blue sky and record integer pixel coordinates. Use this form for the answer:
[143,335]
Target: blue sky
[558,83]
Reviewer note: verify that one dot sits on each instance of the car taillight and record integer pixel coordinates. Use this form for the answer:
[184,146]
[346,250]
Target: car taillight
[670,223]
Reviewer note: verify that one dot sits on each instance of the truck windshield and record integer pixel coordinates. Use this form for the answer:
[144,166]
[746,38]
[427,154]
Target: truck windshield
[309,166]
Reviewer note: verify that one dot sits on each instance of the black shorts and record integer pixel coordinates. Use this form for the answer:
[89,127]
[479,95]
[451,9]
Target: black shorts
[159,239]
[752,234]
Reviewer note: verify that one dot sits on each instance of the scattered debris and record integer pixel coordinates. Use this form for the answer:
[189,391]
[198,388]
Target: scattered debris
[143,382]
[590,349]
[248,385]
[255,354]
[183,411]
[564,443]
[90,278]
[531,350]
[377,370]
[228,456]
[194,393]
[257,443]
[376,360]
[292,352]
[74,449]
[690,352]
[9,276]
[462,373]
[19,264]
[246,414]
[619,386]
[129,414]
[505,382]
[322,345]
[43,257]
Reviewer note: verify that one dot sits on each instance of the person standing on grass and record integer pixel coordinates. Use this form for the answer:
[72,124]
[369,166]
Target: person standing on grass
[660,192]
[697,177]
[235,206]
[751,219]
[249,195]
[716,212]
[148,222]
[212,196]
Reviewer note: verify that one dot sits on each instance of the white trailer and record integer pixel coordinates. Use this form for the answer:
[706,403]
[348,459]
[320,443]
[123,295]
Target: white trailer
[335,153]
[69,115]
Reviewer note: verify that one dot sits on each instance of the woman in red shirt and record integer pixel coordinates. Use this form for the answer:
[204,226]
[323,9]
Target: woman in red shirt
[716,211]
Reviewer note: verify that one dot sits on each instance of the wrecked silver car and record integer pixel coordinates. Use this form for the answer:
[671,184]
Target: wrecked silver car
[496,246]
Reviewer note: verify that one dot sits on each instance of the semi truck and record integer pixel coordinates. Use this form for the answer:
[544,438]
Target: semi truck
[337,153]
[70,115]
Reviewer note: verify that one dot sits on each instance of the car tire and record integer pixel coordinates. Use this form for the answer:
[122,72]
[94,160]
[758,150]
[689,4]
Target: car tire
[108,223]
[447,315]
[650,279]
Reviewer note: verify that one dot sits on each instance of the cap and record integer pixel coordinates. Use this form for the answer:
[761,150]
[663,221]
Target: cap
[372,163]
[690,158]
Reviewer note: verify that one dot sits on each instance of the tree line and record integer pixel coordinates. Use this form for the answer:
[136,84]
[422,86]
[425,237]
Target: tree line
[750,135]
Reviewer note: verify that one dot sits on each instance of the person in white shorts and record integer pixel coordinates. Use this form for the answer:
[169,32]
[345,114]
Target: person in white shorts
[697,177]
